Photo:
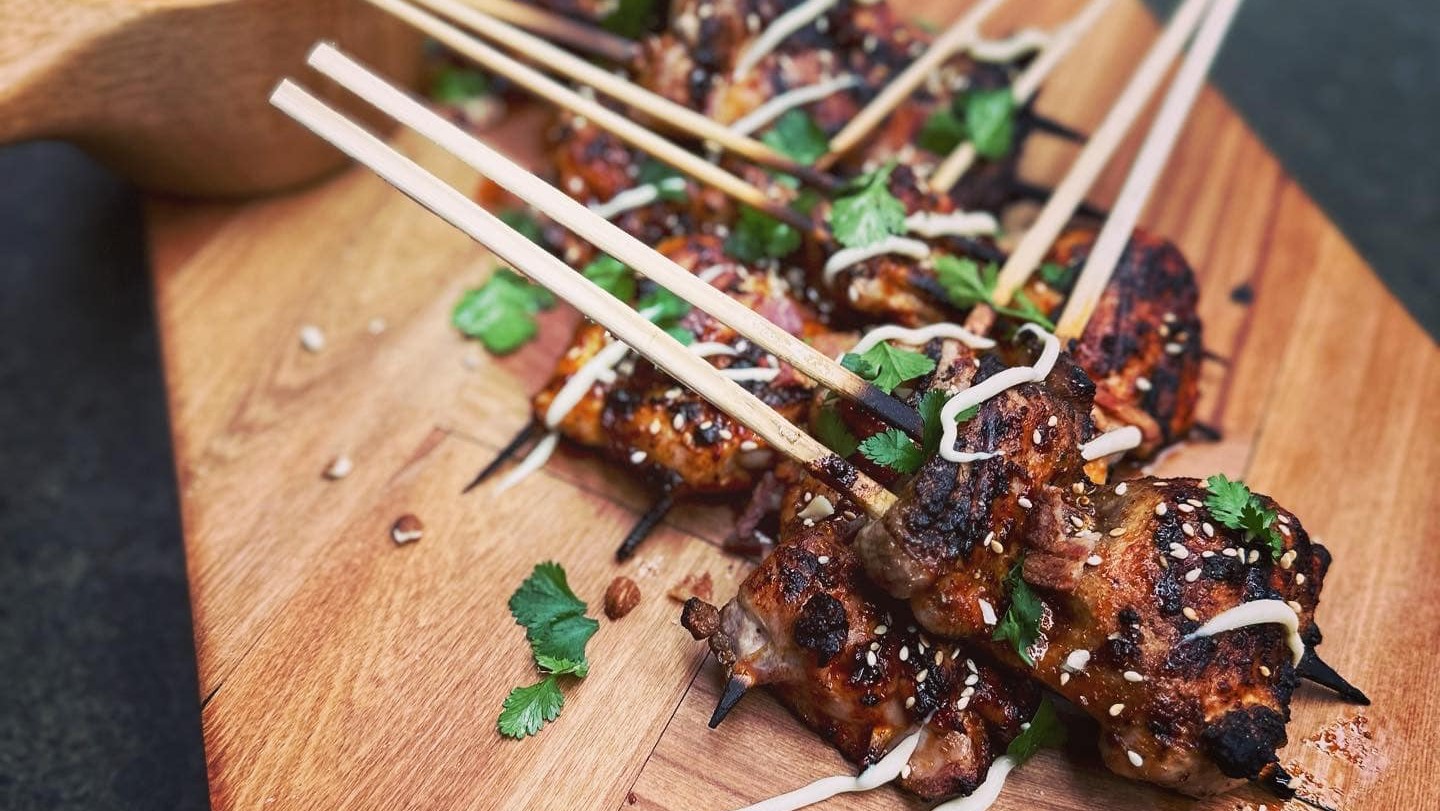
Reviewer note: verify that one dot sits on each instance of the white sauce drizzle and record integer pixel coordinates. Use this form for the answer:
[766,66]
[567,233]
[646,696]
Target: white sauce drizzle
[707,349]
[532,462]
[846,257]
[955,224]
[1022,42]
[1257,612]
[637,197]
[987,792]
[918,337]
[991,386]
[579,383]
[713,272]
[1117,441]
[782,27]
[790,99]
[887,769]
[759,374]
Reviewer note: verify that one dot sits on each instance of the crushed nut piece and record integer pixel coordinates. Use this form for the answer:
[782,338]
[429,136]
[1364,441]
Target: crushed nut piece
[621,598]
[406,529]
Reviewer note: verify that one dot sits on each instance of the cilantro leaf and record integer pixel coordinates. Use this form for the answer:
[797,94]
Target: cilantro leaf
[967,284]
[631,18]
[1057,276]
[990,121]
[669,184]
[756,235]
[523,221]
[887,366]
[942,131]
[1026,310]
[796,136]
[564,638]
[612,276]
[527,709]
[1021,623]
[543,598]
[1044,730]
[868,213]
[501,312]
[456,85]
[662,307]
[891,448]
[833,433]
[560,666]
[1235,506]
[931,428]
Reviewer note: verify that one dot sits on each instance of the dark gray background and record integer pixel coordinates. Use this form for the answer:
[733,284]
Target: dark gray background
[98,704]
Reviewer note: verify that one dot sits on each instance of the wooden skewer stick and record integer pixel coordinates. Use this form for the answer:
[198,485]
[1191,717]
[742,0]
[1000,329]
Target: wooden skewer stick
[588,38]
[662,110]
[1066,37]
[610,238]
[543,86]
[1103,143]
[1146,170]
[627,325]
[958,36]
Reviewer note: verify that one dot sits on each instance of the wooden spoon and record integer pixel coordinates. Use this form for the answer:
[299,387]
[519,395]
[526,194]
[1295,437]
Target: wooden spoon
[174,94]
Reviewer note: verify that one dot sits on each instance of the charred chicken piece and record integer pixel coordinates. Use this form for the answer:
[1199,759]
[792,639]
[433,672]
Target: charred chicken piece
[1142,346]
[851,663]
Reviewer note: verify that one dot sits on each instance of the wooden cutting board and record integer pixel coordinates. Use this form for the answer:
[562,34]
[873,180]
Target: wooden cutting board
[339,670]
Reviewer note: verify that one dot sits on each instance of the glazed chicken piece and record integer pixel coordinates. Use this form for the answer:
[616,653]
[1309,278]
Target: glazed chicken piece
[1142,346]
[851,664]
[1123,575]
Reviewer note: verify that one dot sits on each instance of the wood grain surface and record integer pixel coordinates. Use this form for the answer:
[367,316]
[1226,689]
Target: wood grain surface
[339,670]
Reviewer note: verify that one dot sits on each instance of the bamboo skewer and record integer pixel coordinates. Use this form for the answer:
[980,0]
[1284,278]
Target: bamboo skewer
[610,238]
[960,159]
[959,35]
[1154,153]
[541,85]
[588,38]
[628,326]
[662,110]
[1097,153]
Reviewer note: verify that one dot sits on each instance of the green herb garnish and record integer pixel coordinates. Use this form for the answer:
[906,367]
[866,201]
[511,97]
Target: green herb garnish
[893,449]
[887,366]
[631,18]
[1056,275]
[558,630]
[457,85]
[830,429]
[665,309]
[523,221]
[1044,730]
[1233,505]
[868,212]
[796,136]
[669,184]
[756,235]
[990,121]
[942,131]
[612,276]
[968,284]
[1021,623]
[501,312]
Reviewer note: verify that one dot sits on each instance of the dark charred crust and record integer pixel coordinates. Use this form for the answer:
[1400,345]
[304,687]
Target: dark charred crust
[700,618]
[822,627]
[835,471]
[797,568]
[1242,742]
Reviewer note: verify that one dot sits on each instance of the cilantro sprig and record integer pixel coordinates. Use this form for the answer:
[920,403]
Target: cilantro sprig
[454,84]
[665,309]
[830,429]
[893,449]
[558,630]
[612,276]
[986,118]
[967,284]
[501,312]
[1044,730]
[867,212]
[887,366]
[797,136]
[756,235]
[1232,504]
[1021,623]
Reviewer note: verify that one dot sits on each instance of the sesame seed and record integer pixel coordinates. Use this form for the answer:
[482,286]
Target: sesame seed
[1116,709]
[910,702]
[1078,488]
[1188,529]
[970,666]
[1077,521]
[749,445]
[1207,554]
[1265,671]
[1135,759]
[904,653]
[870,658]
[988,538]
[1121,488]
[1036,436]
[1178,551]
[1299,579]
[1288,559]
[1192,575]
[1184,508]
[1229,552]
[1025,503]
[1077,660]
[922,676]
[637,457]
[1254,555]
[954,654]
[1194,502]
[1284,530]
[678,422]
[1284,519]
[1174,348]
[1094,560]
[655,426]
[1132,676]
[1190,614]
[881,629]
[312,338]
[1064,679]
[1143,384]
[1053,421]
[972,679]
[726,433]
[874,646]
[997,547]
[962,703]
[339,468]
[1160,508]
[968,691]
[823,559]
[939,657]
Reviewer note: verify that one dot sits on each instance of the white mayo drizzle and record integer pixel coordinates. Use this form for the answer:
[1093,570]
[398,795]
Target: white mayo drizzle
[846,257]
[579,383]
[532,462]
[1257,612]
[991,386]
[987,792]
[707,349]
[1117,441]
[955,224]
[918,337]
[759,374]
[790,99]
[782,27]
[1018,44]
[637,197]
[887,769]
[713,272]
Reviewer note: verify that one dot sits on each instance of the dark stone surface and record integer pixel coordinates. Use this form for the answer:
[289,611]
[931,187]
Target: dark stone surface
[98,705]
